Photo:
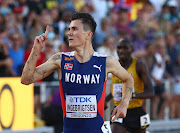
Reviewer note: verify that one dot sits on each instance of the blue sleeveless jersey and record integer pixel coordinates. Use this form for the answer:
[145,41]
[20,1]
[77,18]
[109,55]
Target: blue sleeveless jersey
[82,89]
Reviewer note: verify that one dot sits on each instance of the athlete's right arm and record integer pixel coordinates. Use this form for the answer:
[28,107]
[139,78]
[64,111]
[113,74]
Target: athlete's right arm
[31,73]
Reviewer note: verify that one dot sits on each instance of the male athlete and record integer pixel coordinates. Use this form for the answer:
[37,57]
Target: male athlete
[136,119]
[82,77]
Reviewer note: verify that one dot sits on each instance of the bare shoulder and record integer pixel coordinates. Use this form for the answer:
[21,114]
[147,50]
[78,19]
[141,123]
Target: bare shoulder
[111,62]
[56,59]
[113,66]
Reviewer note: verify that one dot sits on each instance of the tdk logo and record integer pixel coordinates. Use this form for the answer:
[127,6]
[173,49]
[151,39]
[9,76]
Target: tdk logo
[80,99]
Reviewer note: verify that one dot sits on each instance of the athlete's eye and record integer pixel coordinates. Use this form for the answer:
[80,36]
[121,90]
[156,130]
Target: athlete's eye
[74,28]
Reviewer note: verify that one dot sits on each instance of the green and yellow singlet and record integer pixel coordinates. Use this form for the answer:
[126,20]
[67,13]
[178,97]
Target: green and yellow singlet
[116,88]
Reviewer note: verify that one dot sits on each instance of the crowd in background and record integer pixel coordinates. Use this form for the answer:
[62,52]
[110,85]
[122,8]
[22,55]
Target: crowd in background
[153,26]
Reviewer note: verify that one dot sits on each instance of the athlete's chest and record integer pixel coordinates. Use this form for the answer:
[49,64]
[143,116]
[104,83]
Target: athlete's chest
[91,72]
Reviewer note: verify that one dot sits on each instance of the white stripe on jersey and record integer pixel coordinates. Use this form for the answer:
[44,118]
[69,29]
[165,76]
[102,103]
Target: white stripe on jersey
[99,54]
[69,53]
[95,54]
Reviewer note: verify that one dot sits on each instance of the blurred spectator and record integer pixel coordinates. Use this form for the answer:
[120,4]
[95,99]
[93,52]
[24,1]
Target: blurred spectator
[49,51]
[106,30]
[45,19]
[87,7]
[172,4]
[122,34]
[21,7]
[33,25]
[158,73]
[145,15]
[19,24]
[63,26]
[123,21]
[143,29]
[158,5]
[177,36]
[175,112]
[5,62]
[35,6]
[64,48]
[2,23]
[67,5]
[164,20]
[149,57]
[78,5]
[140,39]
[4,8]
[98,13]
[176,25]
[55,14]
[113,16]
[108,47]
[172,51]
[4,35]
[49,4]
[16,53]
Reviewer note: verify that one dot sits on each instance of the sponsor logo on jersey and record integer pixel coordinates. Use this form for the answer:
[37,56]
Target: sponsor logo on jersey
[68,58]
[98,67]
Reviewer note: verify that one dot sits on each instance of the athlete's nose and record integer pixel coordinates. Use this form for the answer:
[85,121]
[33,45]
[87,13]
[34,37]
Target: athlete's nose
[69,33]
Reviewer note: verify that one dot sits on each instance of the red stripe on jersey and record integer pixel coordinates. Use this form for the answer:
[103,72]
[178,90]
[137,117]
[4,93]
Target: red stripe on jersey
[62,99]
[100,105]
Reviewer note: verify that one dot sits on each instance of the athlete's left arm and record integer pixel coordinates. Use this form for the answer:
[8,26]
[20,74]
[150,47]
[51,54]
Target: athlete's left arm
[143,73]
[113,66]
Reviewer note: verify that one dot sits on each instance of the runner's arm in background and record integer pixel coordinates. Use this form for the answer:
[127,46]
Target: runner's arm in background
[143,73]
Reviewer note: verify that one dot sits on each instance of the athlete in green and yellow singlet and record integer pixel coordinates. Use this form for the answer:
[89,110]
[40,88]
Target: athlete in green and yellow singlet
[136,119]
[138,86]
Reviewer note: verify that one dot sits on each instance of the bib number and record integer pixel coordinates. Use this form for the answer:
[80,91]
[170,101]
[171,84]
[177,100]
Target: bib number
[145,120]
[81,106]
[117,92]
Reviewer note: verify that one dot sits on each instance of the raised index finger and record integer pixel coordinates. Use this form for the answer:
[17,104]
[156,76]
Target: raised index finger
[47,31]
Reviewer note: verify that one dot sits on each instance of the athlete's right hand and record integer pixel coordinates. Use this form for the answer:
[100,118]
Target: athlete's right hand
[40,41]
[119,111]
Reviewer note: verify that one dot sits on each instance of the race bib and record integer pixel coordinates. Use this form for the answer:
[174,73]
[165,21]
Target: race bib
[117,92]
[145,120]
[106,128]
[81,106]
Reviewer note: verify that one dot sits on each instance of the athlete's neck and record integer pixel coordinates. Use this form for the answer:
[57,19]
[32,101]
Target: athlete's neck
[126,63]
[84,54]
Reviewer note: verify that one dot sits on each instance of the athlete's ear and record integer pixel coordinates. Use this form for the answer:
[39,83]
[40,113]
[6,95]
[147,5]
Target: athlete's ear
[89,35]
